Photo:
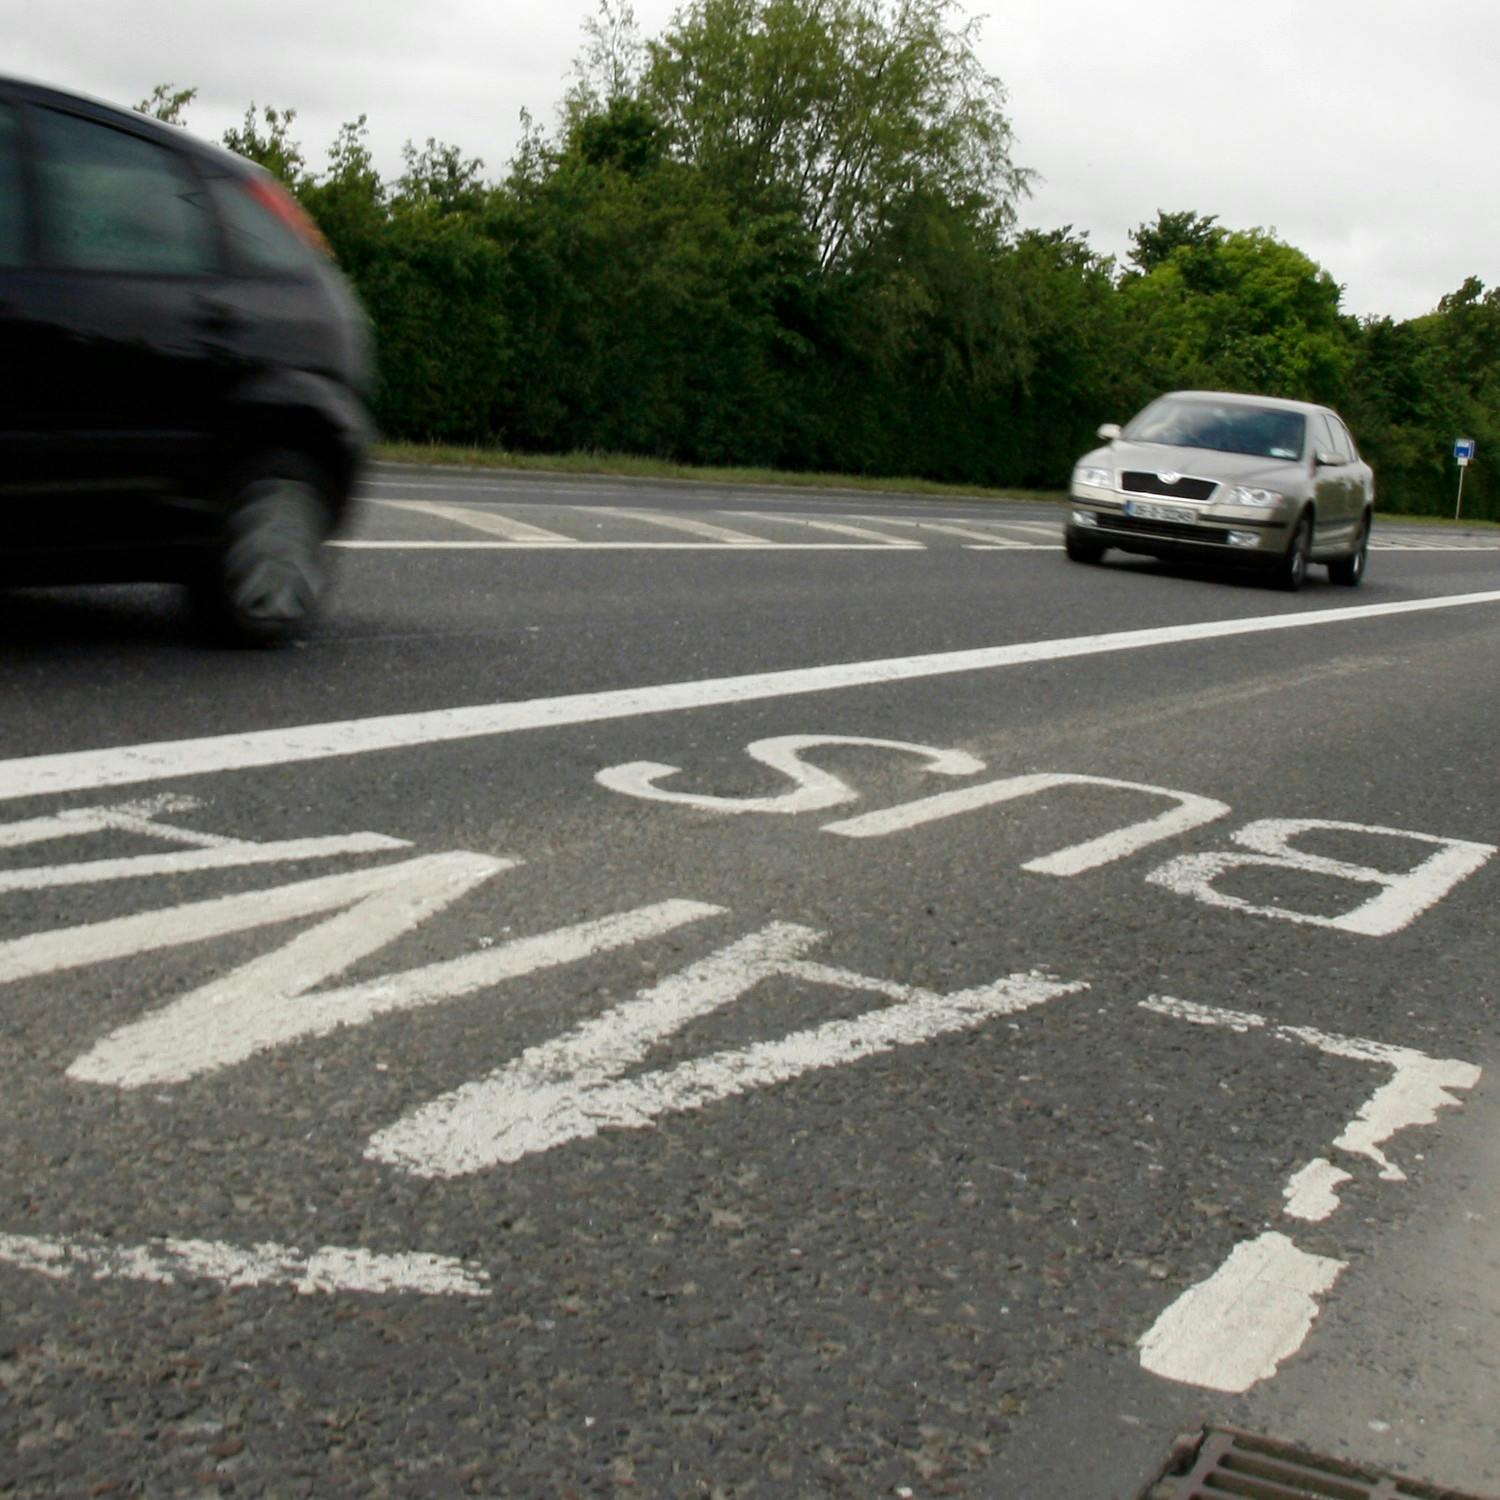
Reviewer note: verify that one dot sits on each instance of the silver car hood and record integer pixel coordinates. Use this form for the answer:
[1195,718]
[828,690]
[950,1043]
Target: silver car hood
[1198,463]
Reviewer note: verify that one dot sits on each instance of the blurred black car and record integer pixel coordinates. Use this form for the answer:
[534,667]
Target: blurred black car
[183,370]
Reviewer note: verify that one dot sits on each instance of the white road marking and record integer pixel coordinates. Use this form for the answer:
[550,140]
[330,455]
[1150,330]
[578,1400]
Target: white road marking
[43,775]
[677,523]
[816,788]
[567,545]
[572,1087]
[947,528]
[231,855]
[491,521]
[168,1261]
[123,817]
[840,528]
[270,1001]
[1257,1309]
[1401,898]
[1248,1318]
[1312,1195]
[1191,812]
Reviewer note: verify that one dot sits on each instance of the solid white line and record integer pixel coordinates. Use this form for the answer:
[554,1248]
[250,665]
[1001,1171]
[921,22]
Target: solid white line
[1235,1328]
[493,522]
[41,775]
[167,1261]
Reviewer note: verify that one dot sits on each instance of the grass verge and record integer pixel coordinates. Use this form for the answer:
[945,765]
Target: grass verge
[632,466]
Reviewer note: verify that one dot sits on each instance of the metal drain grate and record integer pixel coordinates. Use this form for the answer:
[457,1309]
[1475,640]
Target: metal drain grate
[1222,1463]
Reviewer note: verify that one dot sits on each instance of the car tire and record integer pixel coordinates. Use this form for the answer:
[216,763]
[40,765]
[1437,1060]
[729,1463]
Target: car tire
[1291,573]
[266,573]
[1350,571]
[1080,551]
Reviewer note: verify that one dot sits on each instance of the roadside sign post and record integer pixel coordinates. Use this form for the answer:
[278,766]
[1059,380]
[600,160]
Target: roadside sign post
[1463,454]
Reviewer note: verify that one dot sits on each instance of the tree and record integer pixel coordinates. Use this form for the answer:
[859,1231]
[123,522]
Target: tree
[842,110]
[1238,311]
[1152,244]
[265,137]
[167,102]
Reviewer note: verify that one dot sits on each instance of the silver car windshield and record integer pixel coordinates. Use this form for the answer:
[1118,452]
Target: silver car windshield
[1225,427]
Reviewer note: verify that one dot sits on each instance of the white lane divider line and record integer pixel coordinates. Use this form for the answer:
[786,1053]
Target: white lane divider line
[1255,1312]
[169,1261]
[722,534]
[45,775]
[567,545]
[838,528]
[492,521]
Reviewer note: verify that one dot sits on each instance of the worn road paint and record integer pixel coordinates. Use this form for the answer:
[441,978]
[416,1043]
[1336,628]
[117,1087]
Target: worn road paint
[1247,1319]
[1403,895]
[41,775]
[568,545]
[1191,812]
[226,856]
[816,789]
[571,1088]
[1313,1193]
[948,528]
[1257,1309]
[1419,1086]
[270,1002]
[168,1261]
[143,817]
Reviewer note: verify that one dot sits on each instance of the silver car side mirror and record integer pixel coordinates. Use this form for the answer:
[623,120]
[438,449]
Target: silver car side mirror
[1109,431]
[1325,459]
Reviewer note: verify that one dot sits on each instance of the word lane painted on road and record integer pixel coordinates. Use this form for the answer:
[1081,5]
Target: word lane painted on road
[1400,897]
[1226,1333]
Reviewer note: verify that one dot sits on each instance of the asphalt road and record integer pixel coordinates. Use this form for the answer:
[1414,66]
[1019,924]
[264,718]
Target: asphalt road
[683,992]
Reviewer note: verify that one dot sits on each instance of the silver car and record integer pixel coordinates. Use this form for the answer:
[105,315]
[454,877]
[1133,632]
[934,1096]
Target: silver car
[1240,480]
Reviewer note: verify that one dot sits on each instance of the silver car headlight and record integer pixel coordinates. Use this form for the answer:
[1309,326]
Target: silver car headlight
[1244,494]
[1090,474]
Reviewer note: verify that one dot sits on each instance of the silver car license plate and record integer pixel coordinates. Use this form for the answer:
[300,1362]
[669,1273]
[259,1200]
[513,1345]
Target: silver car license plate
[1144,510]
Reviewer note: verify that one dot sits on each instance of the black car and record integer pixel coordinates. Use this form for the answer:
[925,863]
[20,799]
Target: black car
[183,370]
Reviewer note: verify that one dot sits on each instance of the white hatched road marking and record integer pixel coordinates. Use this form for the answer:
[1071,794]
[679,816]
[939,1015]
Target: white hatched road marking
[125,765]
[947,528]
[678,523]
[841,528]
[569,545]
[492,521]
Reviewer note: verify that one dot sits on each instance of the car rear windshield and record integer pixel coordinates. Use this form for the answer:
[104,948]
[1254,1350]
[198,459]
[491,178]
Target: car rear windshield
[1224,426]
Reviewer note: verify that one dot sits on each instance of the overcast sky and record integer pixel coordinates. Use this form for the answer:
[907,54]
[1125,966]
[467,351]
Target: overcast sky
[1362,131]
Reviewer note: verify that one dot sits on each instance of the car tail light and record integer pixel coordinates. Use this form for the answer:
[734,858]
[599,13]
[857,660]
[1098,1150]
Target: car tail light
[270,194]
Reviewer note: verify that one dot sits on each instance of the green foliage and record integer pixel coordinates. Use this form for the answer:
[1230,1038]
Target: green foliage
[782,235]
[265,137]
[167,103]
[840,109]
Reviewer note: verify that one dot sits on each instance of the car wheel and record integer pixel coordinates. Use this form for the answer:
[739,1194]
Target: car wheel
[266,574]
[1080,551]
[1292,572]
[1350,571]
